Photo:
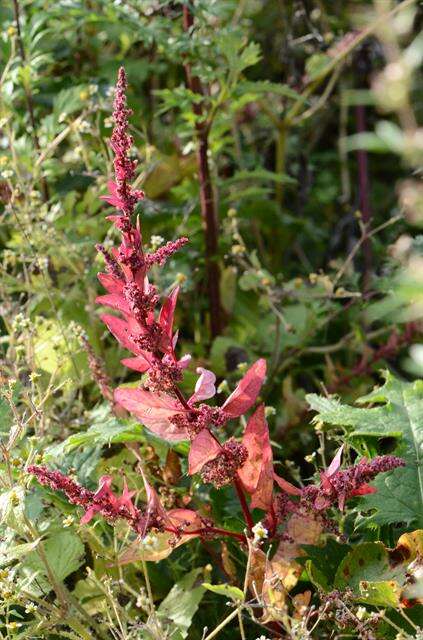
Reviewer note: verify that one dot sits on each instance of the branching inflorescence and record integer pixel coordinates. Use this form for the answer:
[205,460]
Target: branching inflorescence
[148,333]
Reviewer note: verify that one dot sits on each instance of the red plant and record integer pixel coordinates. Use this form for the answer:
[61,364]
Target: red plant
[161,406]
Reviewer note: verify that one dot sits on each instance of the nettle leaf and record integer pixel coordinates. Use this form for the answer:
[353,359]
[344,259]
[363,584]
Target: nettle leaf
[105,429]
[64,551]
[398,414]
[226,590]
[181,603]
[378,575]
[110,431]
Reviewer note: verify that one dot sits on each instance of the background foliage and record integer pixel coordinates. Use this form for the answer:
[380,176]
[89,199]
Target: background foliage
[311,114]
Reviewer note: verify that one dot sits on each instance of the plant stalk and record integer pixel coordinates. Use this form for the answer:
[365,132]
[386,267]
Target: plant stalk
[207,200]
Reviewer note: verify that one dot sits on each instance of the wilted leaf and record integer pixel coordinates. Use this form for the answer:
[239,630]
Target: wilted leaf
[172,469]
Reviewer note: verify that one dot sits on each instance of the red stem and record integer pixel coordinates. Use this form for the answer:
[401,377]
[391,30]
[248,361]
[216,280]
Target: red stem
[205,530]
[245,509]
[207,204]
[364,196]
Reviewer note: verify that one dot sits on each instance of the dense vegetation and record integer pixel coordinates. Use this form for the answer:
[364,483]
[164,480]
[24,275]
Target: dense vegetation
[211,411]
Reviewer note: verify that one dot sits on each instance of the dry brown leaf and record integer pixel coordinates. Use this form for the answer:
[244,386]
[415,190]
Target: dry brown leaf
[227,563]
[283,571]
[172,469]
[301,602]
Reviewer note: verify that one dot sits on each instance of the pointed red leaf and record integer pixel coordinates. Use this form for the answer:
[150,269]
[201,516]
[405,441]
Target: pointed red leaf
[114,301]
[153,410]
[363,490]
[154,506]
[110,283]
[256,474]
[287,486]
[139,364]
[247,390]
[335,464]
[203,448]
[121,330]
[167,313]
[181,517]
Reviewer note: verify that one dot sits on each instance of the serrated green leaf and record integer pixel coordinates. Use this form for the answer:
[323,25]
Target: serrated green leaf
[368,572]
[64,551]
[226,590]
[399,414]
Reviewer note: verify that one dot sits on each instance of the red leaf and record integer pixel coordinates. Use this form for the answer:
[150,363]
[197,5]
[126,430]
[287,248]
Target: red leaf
[203,448]
[205,386]
[363,490]
[287,486]
[180,517]
[247,390]
[335,464]
[257,472]
[110,283]
[139,363]
[153,410]
[122,332]
[167,313]
[114,301]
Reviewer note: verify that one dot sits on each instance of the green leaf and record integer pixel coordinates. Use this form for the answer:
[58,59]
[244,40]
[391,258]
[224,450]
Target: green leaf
[260,175]
[368,572]
[12,508]
[264,86]
[105,430]
[16,552]
[181,603]
[226,590]
[317,64]
[399,414]
[64,552]
[323,562]
[386,593]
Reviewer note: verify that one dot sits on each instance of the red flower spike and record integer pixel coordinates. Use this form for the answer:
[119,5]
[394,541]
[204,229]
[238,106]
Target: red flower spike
[256,474]
[203,449]
[246,391]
